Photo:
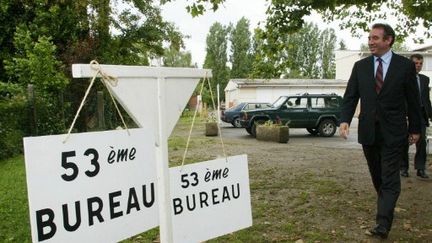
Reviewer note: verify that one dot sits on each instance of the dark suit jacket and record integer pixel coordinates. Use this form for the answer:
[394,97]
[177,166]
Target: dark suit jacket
[424,88]
[398,96]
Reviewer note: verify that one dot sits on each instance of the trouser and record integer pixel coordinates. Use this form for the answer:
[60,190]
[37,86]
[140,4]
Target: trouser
[420,155]
[384,163]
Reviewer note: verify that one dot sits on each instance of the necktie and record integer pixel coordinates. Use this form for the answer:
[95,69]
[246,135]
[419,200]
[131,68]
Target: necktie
[379,80]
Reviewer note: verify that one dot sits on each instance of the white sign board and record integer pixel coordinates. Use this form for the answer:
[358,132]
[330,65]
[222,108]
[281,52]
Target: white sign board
[95,187]
[210,199]
[138,85]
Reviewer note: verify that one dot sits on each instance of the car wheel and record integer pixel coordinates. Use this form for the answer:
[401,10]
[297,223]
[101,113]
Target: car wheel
[312,131]
[254,125]
[236,122]
[327,128]
[248,130]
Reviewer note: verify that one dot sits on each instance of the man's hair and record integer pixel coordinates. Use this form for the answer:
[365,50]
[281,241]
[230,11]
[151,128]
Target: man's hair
[388,31]
[416,56]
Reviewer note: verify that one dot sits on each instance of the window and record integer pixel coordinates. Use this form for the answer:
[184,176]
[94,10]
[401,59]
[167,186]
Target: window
[324,102]
[332,102]
[297,102]
[318,102]
[249,107]
[253,106]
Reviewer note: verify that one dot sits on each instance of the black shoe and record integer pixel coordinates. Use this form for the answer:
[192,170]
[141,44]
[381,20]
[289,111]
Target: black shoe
[404,173]
[379,231]
[422,174]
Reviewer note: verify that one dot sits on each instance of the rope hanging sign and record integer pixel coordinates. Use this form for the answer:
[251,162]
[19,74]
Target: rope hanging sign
[206,79]
[106,80]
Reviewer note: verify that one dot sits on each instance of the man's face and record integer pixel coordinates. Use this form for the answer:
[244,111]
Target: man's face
[378,45]
[418,64]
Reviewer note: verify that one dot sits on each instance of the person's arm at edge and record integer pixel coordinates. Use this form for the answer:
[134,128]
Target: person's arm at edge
[414,115]
[428,102]
[349,103]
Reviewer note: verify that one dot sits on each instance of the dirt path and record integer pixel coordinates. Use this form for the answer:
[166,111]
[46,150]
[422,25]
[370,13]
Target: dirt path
[314,189]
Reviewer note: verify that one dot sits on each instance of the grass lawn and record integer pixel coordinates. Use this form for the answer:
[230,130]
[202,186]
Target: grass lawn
[14,215]
[298,191]
[275,220]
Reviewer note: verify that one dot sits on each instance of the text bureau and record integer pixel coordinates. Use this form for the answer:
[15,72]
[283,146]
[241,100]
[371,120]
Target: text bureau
[206,198]
[117,204]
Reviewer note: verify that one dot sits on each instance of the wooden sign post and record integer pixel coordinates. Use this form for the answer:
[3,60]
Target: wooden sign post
[154,97]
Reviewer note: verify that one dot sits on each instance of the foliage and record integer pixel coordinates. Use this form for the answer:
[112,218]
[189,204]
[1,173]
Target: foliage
[41,39]
[216,58]
[308,53]
[410,15]
[211,117]
[328,45]
[264,64]
[241,56]
[277,123]
[356,15]
[177,58]
[35,62]
[200,6]
[13,125]
[342,45]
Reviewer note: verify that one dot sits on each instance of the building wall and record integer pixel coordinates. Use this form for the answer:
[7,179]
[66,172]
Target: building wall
[427,66]
[270,94]
[345,61]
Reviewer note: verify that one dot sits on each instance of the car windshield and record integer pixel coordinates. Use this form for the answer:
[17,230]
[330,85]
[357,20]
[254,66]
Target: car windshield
[279,102]
[237,107]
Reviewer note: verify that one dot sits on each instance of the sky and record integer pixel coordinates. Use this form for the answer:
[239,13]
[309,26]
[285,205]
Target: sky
[230,12]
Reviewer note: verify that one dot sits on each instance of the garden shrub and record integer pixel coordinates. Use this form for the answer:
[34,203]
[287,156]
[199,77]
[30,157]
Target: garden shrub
[13,120]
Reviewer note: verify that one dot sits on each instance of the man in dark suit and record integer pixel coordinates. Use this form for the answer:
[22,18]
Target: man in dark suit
[385,84]
[426,112]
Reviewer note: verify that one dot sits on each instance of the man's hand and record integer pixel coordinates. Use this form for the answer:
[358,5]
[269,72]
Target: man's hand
[413,138]
[344,130]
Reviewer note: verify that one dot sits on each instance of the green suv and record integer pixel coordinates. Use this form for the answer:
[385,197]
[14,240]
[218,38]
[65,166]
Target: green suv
[318,113]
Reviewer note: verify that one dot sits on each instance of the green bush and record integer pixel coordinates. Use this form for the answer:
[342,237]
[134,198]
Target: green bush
[49,115]
[13,107]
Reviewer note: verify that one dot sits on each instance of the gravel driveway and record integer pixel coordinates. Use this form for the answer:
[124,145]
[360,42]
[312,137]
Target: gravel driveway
[312,188]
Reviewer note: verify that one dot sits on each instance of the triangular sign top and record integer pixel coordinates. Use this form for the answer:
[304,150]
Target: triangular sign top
[136,89]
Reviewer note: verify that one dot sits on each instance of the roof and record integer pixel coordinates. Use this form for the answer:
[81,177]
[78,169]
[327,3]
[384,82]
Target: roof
[425,51]
[311,94]
[425,48]
[286,82]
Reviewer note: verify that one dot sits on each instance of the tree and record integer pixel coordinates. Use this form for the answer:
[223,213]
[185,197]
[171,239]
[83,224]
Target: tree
[91,29]
[216,56]
[177,58]
[200,6]
[308,53]
[342,45]
[265,57]
[356,15]
[240,57]
[78,32]
[328,44]
[37,64]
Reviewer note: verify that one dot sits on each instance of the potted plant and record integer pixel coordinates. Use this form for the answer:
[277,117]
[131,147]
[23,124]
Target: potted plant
[270,131]
[211,125]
